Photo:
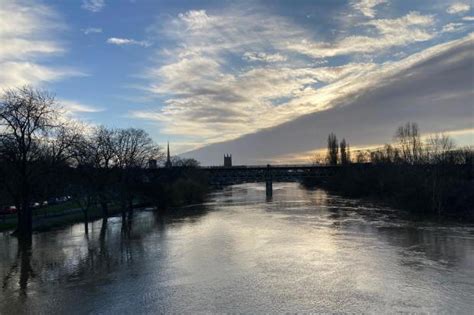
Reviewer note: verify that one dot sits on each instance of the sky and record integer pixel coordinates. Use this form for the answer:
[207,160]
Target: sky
[215,77]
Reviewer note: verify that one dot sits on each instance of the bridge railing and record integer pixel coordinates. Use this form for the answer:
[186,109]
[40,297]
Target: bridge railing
[295,166]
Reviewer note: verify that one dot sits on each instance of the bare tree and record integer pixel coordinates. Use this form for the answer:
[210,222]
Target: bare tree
[362,157]
[409,143]
[348,154]
[96,151]
[184,162]
[133,148]
[439,147]
[84,191]
[345,159]
[386,155]
[333,149]
[27,116]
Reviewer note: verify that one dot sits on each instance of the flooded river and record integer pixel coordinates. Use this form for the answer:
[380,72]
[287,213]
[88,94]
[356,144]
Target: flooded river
[302,251]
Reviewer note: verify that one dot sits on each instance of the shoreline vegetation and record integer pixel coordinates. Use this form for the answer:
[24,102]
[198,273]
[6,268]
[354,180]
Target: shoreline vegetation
[428,178]
[186,187]
[45,155]
[104,171]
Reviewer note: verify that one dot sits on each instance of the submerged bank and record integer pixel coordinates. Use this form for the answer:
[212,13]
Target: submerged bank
[425,191]
[162,190]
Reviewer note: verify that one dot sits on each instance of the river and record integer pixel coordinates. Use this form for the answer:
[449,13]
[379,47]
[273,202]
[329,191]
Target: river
[302,251]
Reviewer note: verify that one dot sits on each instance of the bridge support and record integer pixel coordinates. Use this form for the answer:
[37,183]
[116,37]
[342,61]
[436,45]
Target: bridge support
[268,183]
[269,188]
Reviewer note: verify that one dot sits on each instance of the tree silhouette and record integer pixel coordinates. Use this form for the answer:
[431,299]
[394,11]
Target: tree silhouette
[344,152]
[333,149]
[27,118]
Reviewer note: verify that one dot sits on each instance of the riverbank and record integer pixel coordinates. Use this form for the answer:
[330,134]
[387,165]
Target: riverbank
[58,219]
[429,191]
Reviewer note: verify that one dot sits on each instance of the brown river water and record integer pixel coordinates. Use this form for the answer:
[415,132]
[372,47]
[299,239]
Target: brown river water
[302,251]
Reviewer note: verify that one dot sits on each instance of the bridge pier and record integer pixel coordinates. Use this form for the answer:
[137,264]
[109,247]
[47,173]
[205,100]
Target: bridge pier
[269,188]
[268,182]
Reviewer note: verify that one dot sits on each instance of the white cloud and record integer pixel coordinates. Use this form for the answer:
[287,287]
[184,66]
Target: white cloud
[261,56]
[27,34]
[453,27]
[468,18]
[91,30]
[195,19]
[93,5]
[18,73]
[75,107]
[126,42]
[458,7]
[432,87]
[282,73]
[410,28]
[366,7]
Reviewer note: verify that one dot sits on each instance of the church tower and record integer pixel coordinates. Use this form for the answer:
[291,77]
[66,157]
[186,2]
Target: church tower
[168,158]
[227,160]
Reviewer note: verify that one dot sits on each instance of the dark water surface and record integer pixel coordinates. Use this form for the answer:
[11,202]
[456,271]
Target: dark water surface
[303,251]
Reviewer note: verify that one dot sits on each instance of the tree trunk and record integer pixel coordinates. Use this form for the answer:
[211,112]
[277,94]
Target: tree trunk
[25,223]
[24,251]
[105,209]
[130,205]
[123,208]
[86,222]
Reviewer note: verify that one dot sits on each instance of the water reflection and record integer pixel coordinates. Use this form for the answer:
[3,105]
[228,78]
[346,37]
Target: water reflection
[300,251]
[21,269]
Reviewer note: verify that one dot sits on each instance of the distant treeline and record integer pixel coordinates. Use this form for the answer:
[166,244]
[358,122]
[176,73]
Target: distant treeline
[43,154]
[427,177]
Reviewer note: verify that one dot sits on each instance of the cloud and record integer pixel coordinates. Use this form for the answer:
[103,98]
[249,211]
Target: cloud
[458,7]
[93,5]
[468,18]
[402,31]
[91,30]
[126,42]
[77,107]
[261,56]
[27,34]
[195,19]
[282,71]
[16,74]
[24,31]
[433,88]
[366,7]
[454,27]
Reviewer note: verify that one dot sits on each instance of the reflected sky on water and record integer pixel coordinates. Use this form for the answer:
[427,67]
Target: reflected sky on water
[301,251]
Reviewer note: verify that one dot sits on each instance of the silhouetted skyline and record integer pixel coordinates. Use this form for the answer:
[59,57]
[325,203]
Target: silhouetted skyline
[198,73]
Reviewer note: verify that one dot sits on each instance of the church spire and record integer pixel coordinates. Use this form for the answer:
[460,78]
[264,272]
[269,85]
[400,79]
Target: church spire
[168,157]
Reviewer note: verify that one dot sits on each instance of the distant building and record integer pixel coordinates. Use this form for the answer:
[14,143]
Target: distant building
[152,163]
[227,160]
[168,163]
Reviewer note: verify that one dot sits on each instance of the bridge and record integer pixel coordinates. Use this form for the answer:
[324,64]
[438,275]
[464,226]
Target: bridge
[266,173]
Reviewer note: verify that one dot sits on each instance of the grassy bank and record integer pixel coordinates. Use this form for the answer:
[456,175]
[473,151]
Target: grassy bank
[58,219]
[170,191]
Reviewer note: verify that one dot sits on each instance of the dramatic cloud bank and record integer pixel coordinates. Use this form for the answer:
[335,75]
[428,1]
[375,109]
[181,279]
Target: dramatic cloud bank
[433,88]
[26,36]
[198,75]
[239,71]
